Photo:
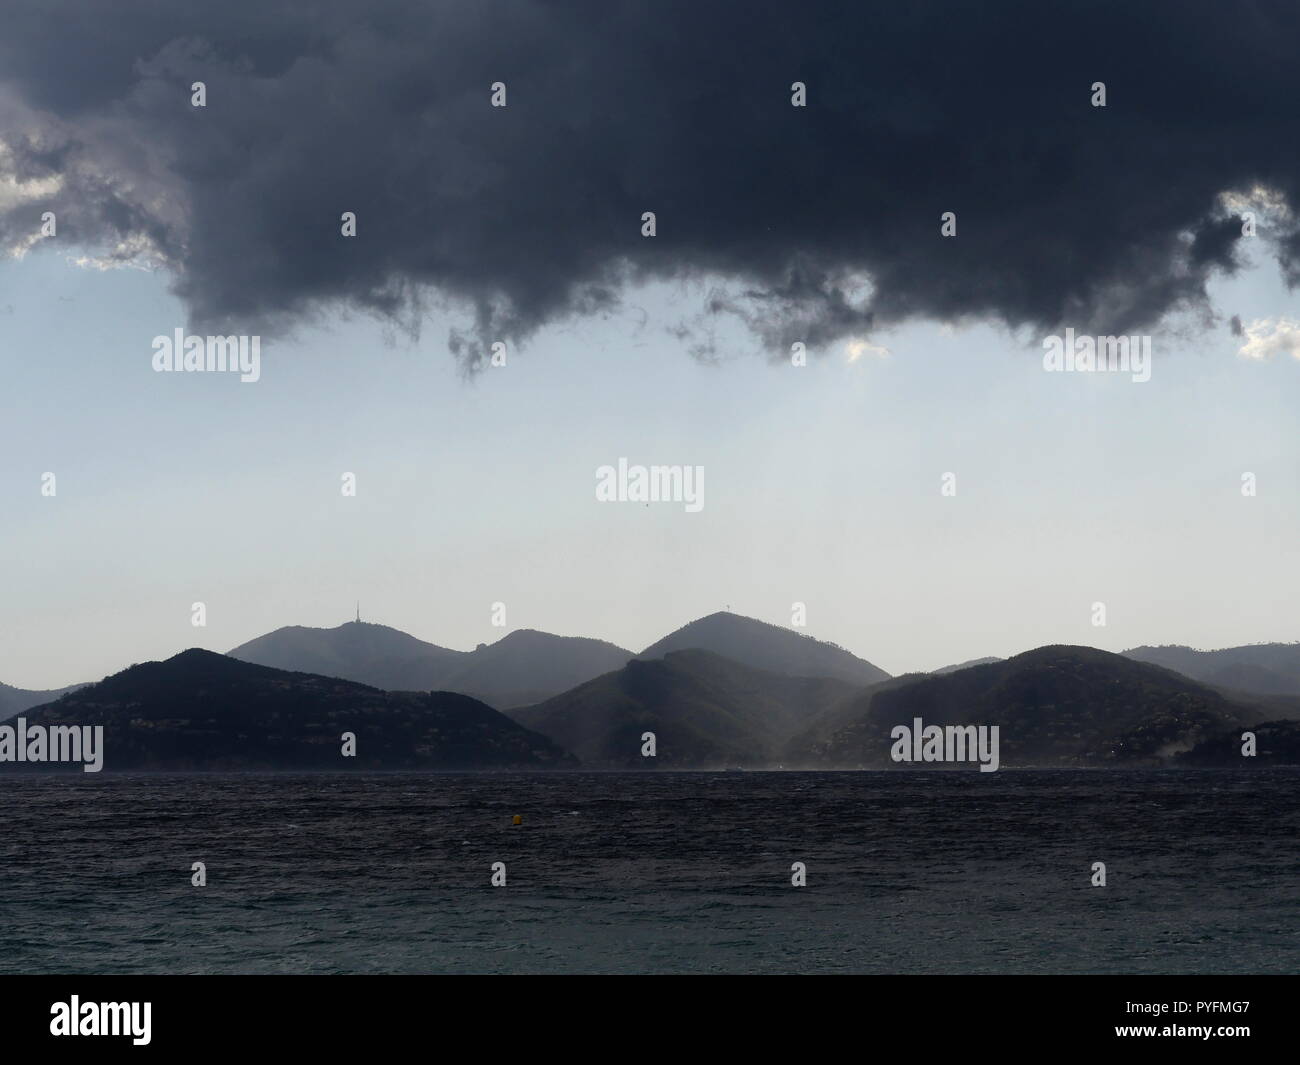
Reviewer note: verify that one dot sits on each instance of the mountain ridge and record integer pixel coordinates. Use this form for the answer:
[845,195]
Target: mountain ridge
[522,666]
[1257,668]
[527,666]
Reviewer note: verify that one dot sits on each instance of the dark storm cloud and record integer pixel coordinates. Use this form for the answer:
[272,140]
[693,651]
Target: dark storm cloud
[808,223]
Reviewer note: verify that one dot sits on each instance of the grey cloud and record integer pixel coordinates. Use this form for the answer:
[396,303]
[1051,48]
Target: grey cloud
[805,223]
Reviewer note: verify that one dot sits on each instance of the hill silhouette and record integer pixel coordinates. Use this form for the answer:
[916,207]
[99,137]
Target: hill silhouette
[528,666]
[13,701]
[706,711]
[1262,669]
[200,710]
[760,645]
[1057,705]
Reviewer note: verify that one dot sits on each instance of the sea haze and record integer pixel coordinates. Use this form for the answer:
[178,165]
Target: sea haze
[908,872]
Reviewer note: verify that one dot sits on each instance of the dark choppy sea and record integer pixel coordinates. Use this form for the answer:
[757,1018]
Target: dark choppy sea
[908,872]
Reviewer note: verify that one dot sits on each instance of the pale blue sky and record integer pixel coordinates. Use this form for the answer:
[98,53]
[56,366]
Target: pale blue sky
[821,485]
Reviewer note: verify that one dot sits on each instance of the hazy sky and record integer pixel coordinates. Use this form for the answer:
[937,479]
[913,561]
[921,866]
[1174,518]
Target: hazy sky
[822,485]
[799,161]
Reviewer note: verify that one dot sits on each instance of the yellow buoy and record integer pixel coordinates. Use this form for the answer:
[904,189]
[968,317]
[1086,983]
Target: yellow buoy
[518,820]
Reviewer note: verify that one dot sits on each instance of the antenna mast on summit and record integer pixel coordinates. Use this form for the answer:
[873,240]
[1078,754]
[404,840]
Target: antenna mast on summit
[358,611]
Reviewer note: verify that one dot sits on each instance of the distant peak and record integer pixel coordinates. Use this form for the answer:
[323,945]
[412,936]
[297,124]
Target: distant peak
[196,654]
